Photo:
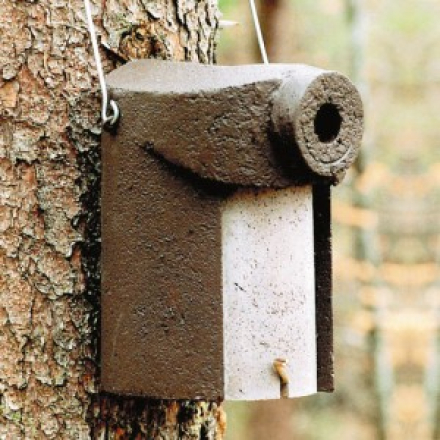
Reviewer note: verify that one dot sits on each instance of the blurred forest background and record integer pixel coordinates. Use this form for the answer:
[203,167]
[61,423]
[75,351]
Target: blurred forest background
[386,217]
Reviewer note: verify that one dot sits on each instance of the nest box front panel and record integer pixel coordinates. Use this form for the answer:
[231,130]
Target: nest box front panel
[162,324]
[269,292]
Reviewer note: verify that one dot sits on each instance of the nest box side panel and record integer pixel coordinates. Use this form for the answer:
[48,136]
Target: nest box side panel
[161,274]
[269,292]
[323,271]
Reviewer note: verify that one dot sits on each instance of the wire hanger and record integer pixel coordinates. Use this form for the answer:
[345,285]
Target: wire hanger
[258,31]
[108,117]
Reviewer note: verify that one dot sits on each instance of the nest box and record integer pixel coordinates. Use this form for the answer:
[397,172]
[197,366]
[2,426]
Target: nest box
[216,259]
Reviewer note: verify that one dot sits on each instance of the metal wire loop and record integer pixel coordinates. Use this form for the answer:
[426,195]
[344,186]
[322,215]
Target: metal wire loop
[258,31]
[112,119]
[108,118]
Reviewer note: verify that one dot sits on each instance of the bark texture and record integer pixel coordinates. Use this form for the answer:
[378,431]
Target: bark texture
[49,213]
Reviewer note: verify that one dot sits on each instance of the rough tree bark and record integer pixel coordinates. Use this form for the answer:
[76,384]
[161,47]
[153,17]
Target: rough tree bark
[49,214]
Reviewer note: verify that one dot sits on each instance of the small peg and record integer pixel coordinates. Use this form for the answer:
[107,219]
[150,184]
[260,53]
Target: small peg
[279,366]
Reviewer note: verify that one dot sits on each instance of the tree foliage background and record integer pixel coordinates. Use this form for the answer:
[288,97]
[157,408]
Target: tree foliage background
[386,217]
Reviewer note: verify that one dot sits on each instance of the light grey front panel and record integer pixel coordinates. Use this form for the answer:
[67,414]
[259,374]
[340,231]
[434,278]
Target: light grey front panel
[268,292]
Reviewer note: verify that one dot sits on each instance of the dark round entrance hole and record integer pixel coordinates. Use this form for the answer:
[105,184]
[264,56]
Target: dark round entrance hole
[327,123]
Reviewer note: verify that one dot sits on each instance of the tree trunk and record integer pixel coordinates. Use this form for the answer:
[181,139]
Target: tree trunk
[366,241]
[49,214]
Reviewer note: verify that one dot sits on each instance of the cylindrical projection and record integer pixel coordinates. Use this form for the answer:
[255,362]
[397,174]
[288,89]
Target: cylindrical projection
[322,112]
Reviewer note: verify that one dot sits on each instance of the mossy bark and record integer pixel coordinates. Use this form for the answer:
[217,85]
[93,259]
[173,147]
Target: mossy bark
[49,213]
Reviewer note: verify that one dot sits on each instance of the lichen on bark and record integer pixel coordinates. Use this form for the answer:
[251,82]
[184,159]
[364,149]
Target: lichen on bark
[49,211]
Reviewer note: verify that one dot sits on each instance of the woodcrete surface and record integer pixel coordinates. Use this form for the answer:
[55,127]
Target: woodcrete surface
[168,265]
